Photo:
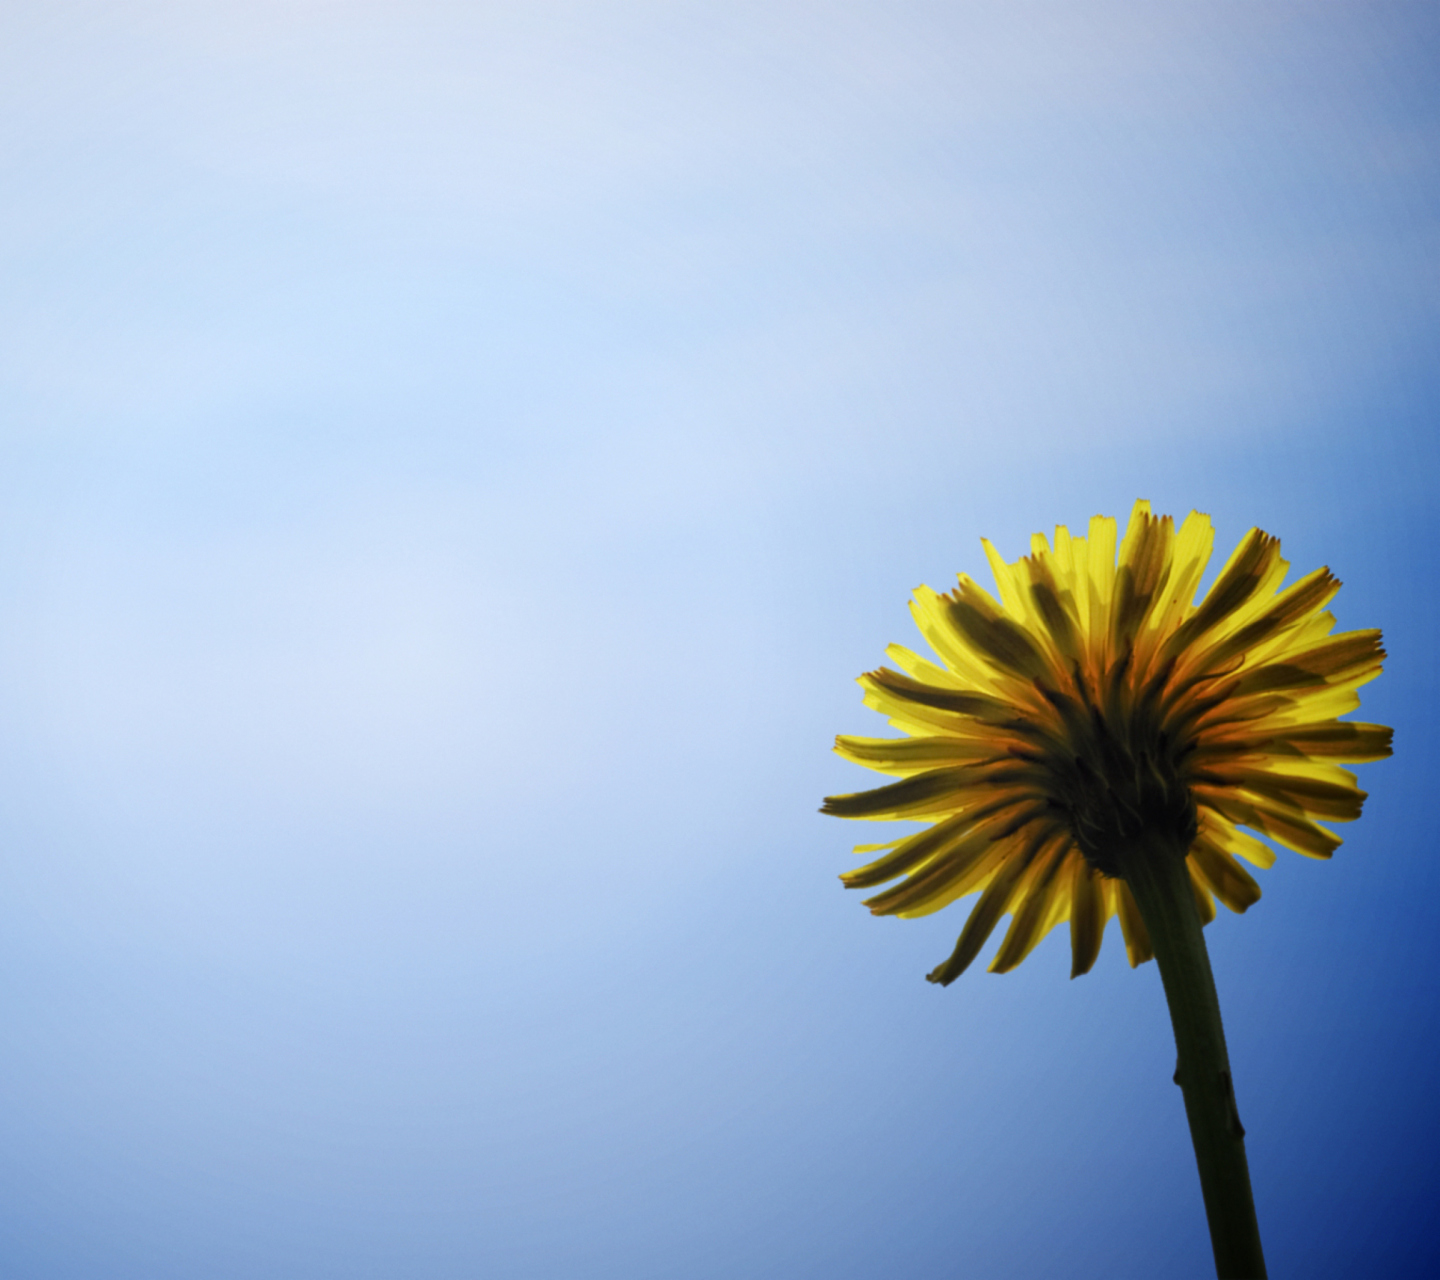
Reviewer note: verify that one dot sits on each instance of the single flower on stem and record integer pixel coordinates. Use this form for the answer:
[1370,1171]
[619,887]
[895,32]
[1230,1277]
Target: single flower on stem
[1095,744]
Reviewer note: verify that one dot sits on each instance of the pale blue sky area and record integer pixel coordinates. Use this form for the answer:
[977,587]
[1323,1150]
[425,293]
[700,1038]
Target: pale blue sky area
[454,461]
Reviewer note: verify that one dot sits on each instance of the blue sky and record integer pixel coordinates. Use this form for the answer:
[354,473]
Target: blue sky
[456,459]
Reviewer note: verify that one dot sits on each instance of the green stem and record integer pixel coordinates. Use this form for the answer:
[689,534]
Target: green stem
[1158,878]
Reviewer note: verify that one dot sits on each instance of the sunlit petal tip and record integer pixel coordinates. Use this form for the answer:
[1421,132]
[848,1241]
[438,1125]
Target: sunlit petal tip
[1097,693]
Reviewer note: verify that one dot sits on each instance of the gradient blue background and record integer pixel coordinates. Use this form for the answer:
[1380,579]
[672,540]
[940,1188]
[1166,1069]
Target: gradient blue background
[454,460]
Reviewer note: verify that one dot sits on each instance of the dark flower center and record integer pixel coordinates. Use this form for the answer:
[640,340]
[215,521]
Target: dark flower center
[1124,781]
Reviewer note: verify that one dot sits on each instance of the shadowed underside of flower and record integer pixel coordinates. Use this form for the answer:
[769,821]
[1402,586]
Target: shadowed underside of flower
[1095,702]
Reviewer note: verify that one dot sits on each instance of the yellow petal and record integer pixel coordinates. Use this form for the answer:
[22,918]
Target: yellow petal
[1002,643]
[931,612]
[983,919]
[906,756]
[962,869]
[1225,835]
[934,845]
[1102,572]
[1012,595]
[1289,610]
[1222,875]
[1036,905]
[1282,826]
[944,790]
[1351,741]
[1137,937]
[1193,545]
[1204,903]
[1088,913]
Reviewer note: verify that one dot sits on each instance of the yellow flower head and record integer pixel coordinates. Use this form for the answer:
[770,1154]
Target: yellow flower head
[1094,703]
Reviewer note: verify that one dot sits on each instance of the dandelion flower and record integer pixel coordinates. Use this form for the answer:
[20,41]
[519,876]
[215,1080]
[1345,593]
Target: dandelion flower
[1093,703]
[1096,743]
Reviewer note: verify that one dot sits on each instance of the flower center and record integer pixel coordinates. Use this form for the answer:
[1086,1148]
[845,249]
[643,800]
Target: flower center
[1120,786]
